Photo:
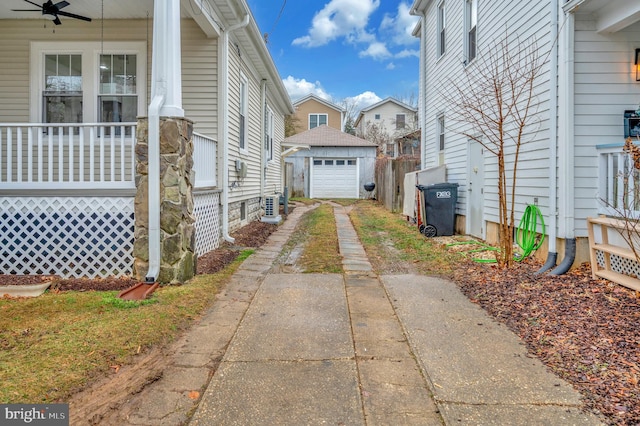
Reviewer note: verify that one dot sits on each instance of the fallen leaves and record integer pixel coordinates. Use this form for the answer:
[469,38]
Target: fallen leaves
[585,330]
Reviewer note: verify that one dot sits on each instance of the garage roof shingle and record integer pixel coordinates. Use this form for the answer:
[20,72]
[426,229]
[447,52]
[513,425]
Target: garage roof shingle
[327,136]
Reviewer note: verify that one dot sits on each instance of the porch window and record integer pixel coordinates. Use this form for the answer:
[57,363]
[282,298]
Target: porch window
[62,95]
[244,110]
[316,120]
[87,82]
[117,99]
[400,121]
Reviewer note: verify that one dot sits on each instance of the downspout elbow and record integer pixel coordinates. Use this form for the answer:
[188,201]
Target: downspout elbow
[569,257]
[153,182]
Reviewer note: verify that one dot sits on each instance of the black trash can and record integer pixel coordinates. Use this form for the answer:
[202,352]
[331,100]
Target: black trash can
[439,209]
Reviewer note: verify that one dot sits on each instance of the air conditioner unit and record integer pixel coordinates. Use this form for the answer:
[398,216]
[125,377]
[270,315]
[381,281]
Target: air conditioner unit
[271,206]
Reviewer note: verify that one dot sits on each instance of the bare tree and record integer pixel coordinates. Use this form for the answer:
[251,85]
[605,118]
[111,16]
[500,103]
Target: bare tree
[290,124]
[494,104]
[351,113]
[378,135]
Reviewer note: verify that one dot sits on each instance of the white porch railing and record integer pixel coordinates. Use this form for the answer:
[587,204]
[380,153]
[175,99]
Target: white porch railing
[205,160]
[619,183]
[67,156]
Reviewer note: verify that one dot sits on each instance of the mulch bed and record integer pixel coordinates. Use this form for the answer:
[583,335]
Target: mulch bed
[587,331]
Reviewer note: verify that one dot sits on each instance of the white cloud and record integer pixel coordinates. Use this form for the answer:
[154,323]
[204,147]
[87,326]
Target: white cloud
[299,87]
[391,66]
[407,53]
[376,50]
[339,18]
[400,27]
[363,100]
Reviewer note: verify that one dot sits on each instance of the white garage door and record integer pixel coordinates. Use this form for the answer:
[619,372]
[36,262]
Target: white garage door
[334,178]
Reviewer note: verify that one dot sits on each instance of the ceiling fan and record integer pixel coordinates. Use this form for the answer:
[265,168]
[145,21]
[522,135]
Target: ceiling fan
[51,11]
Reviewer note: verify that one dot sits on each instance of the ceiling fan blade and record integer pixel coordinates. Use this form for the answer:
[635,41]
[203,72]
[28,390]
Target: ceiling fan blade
[61,4]
[57,21]
[26,10]
[35,4]
[72,15]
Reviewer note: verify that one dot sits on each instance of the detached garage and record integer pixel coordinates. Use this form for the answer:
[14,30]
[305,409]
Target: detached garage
[327,163]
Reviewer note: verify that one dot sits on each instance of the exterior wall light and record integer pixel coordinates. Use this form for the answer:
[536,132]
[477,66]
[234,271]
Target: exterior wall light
[637,64]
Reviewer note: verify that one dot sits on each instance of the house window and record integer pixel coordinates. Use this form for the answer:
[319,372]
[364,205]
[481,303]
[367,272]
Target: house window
[117,97]
[87,82]
[400,121]
[377,116]
[316,120]
[268,137]
[471,23]
[441,29]
[62,95]
[441,133]
[244,111]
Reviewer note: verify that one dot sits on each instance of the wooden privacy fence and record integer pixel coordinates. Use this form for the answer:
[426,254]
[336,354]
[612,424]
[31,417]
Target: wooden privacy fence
[390,180]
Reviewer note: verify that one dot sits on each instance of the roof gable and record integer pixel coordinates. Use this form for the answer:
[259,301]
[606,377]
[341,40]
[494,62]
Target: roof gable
[318,99]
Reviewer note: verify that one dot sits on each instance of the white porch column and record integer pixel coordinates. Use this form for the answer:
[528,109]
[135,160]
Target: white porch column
[166,72]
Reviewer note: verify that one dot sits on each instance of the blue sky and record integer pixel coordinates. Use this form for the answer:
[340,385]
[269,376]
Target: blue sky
[359,50]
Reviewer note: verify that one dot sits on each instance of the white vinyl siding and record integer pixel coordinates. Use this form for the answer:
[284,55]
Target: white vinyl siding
[533,171]
[243,113]
[604,87]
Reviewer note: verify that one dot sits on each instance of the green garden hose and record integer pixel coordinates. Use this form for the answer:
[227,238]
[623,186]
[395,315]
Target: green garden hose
[526,235]
[527,232]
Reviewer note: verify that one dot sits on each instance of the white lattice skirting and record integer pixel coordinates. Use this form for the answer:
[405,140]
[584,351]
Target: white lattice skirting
[620,264]
[66,236]
[207,213]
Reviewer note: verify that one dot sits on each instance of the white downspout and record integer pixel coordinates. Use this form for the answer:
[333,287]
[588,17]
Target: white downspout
[553,140]
[225,126]
[153,178]
[422,101]
[166,95]
[263,126]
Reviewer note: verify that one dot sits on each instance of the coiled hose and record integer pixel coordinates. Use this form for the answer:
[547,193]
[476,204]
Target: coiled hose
[527,232]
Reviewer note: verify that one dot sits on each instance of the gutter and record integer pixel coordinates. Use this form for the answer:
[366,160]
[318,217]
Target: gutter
[225,125]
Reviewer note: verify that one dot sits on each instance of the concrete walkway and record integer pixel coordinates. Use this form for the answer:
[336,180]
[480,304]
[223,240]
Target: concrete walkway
[353,349]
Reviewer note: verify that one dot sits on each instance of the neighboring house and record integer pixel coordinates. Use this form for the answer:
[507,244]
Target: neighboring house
[331,164]
[385,121]
[313,111]
[406,145]
[570,162]
[77,150]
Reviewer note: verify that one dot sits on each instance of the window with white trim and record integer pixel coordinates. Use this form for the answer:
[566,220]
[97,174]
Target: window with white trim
[400,121]
[316,120]
[441,133]
[268,137]
[117,96]
[244,111]
[471,23]
[88,82]
[441,29]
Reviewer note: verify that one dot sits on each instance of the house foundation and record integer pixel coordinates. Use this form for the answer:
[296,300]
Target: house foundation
[177,220]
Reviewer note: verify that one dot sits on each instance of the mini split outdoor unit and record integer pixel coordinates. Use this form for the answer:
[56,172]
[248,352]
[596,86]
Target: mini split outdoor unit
[271,206]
